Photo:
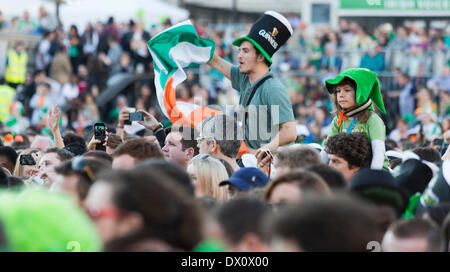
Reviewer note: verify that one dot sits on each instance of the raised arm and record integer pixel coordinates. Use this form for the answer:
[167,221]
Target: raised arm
[53,125]
[156,127]
[221,65]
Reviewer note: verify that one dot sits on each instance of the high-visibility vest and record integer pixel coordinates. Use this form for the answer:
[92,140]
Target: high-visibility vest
[17,67]
[6,99]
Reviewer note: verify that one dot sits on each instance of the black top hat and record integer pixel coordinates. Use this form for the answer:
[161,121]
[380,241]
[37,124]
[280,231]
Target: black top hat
[268,33]
[414,176]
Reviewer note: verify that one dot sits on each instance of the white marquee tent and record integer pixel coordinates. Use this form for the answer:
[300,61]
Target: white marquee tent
[80,12]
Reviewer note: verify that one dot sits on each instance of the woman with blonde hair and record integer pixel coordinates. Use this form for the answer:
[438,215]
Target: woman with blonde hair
[28,170]
[206,173]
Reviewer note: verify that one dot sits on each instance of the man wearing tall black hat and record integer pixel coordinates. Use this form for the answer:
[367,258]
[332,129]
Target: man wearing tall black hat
[268,119]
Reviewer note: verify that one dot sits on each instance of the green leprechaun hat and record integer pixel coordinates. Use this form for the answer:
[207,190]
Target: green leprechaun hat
[367,86]
[268,34]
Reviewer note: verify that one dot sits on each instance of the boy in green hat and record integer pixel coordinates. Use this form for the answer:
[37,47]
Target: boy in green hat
[352,93]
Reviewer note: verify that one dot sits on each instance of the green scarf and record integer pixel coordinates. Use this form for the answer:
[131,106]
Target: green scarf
[411,209]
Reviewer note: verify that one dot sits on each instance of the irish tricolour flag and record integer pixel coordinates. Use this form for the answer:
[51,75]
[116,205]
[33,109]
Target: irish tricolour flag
[173,50]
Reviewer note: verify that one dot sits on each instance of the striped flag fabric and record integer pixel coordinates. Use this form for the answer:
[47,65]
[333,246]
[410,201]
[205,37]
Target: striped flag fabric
[172,50]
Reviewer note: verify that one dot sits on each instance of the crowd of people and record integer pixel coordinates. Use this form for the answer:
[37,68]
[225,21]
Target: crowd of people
[192,194]
[154,186]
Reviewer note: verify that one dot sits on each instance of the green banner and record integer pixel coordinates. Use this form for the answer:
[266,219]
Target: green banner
[396,4]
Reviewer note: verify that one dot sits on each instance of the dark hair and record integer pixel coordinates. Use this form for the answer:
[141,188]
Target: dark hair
[110,20]
[304,180]
[47,33]
[75,149]
[336,223]
[241,216]
[296,157]
[97,154]
[352,147]
[167,212]
[74,27]
[189,137]
[22,144]
[140,149]
[9,153]
[172,171]
[428,153]
[346,81]
[259,53]
[61,153]
[84,181]
[228,167]
[73,138]
[390,144]
[167,22]
[331,176]
[114,141]
[405,75]
[60,48]
[9,181]
[417,227]
[37,72]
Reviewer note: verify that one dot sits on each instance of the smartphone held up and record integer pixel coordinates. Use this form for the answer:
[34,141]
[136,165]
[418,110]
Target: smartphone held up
[100,134]
[136,116]
[27,159]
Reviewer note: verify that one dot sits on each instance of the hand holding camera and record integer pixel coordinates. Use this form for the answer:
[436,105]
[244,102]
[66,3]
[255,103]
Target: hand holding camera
[264,158]
[27,159]
[124,117]
[128,115]
[149,121]
[136,116]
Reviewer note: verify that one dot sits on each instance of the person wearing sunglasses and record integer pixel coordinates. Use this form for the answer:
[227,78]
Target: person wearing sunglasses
[138,210]
[221,137]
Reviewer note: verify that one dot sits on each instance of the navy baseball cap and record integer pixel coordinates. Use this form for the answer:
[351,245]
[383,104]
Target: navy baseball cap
[247,178]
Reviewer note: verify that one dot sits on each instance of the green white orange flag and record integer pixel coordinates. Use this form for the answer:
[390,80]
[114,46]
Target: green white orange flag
[172,50]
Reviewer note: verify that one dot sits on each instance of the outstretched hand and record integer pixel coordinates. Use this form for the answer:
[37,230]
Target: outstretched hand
[53,118]
[150,121]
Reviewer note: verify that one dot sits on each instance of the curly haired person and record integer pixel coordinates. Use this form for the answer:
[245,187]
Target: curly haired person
[349,152]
